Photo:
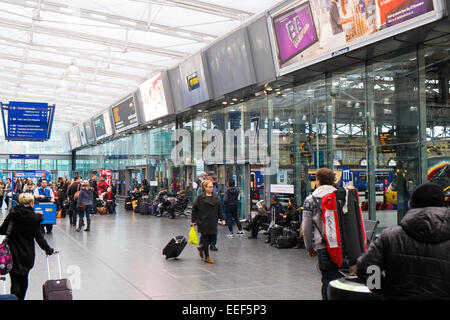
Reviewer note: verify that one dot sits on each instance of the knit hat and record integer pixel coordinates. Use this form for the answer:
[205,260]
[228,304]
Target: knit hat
[275,198]
[427,195]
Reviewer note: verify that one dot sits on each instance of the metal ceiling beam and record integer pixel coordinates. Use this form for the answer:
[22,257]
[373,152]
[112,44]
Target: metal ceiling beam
[80,54]
[47,75]
[84,37]
[204,7]
[59,65]
[114,19]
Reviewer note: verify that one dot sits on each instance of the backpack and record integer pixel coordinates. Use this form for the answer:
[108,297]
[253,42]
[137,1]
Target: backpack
[343,232]
[6,261]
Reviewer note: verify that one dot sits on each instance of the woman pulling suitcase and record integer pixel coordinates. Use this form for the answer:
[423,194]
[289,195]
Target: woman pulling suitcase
[206,210]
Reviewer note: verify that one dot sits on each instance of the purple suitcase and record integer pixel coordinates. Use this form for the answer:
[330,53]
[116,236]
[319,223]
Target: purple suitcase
[59,289]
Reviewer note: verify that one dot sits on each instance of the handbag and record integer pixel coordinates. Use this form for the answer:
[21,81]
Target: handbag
[6,261]
[193,239]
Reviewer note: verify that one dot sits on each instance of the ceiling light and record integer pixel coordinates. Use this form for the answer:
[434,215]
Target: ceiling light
[234,99]
[224,102]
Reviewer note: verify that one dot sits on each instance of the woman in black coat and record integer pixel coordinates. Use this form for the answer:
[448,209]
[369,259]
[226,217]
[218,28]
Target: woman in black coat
[25,229]
[206,210]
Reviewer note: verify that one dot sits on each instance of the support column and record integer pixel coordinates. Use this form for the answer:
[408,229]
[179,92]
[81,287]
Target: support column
[371,151]
[422,113]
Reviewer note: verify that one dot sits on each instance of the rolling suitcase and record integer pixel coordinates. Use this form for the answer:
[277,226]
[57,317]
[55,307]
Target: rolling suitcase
[286,242]
[175,246]
[128,204]
[59,289]
[6,296]
[275,232]
[144,207]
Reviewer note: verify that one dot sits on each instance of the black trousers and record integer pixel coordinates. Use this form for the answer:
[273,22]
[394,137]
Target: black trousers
[232,214]
[205,241]
[329,270]
[19,284]
[256,222]
[49,228]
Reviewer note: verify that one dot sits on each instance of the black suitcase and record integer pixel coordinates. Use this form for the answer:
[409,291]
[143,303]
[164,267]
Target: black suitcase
[275,232]
[128,205]
[175,246]
[144,207]
[59,289]
[295,226]
[286,242]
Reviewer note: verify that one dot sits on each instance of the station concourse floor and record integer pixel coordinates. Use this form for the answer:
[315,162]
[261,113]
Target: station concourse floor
[121,259]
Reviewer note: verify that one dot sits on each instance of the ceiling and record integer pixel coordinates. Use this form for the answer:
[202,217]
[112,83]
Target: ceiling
[86,55]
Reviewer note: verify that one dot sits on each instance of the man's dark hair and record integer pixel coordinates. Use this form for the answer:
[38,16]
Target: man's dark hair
[325,176]
[76,178]
[231,183]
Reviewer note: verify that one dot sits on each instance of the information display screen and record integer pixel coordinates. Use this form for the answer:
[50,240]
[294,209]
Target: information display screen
[89,130]
[82,134]
[102,125]
[124,115]
[153,98]
[306,32]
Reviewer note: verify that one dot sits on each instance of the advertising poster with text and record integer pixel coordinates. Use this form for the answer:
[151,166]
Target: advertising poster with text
[153,98]
[306,32]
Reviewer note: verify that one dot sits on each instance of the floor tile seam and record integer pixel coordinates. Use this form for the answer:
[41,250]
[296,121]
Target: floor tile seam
[102,261]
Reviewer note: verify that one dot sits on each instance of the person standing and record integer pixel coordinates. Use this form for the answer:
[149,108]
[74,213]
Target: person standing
[312,228]
[8,191]
[231,202]
[102,186]
[93,184]
[44,194]
[206,211]
[25,229]
[414,256]
[85,202]
[199,182]
[71,191]
[29,187]
[2,192]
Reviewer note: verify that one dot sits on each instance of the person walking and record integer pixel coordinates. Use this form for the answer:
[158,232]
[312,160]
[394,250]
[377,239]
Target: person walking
[312,227]
[414,256]
[25,227]
[206,211]
[85,202]
[71,192]
[231,202]
[8,191]
[2,192]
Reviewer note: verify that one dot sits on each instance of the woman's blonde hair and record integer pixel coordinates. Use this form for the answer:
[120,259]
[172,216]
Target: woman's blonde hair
[204,184]
[26,198]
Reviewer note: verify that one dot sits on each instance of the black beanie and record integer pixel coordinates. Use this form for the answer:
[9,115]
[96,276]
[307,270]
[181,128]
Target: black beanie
[427,195]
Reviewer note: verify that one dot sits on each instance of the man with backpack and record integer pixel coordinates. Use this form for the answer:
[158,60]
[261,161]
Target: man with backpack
[312,228]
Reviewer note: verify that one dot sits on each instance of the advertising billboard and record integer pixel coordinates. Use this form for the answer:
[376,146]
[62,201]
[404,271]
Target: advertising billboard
[89,130]
[154,100]
[102,125]
[74,138]
[124,115]
[306,32]
[82,134]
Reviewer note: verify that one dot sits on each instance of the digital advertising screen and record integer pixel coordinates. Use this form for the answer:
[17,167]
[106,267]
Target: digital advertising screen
[307,32]
[154,103]
[74,138]
[124,115]
[89,131]
[82,134]
[102,125]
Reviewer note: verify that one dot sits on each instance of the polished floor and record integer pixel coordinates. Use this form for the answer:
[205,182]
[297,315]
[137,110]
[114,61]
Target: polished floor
[121,259]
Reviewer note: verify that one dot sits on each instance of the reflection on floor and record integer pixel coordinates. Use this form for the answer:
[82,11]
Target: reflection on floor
[121,259]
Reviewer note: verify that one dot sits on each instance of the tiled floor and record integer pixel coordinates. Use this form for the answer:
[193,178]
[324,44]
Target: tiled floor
[121,258]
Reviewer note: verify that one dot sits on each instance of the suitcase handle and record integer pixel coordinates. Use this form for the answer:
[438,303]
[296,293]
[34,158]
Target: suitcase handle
[59,266]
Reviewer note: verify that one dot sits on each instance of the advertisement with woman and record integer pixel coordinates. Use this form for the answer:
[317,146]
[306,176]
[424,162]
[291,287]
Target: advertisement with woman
[306,32]
[154,98]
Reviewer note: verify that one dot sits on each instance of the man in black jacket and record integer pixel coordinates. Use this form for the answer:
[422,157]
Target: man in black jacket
[93,184]
[73,188]
[231,202]
[415,256]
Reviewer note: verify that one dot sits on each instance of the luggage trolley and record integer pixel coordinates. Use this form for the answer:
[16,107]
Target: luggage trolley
[48,209]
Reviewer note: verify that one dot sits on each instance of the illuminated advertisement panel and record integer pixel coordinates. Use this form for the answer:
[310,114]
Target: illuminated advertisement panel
[154,102]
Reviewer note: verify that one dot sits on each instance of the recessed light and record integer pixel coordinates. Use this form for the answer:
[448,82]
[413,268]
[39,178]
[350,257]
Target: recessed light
[224,102]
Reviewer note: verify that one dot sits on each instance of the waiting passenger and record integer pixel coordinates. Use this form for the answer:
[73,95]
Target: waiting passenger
[312,228]
[24,230]
[29,187]
[8,192]
[44,194]
[2,192]
[110,198]
[102,186]
[291,212]
[276,214]
[85,202]
[231,202]
[206,211]
[71,192]
[136,194]
[414,255]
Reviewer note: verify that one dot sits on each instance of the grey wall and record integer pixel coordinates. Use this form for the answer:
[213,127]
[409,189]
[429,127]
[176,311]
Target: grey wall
[261,51]
[230,64]
[177,90]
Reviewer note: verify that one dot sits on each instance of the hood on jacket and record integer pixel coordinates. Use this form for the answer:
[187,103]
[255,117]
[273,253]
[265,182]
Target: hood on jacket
[322,191]
[233,190]
[428,225]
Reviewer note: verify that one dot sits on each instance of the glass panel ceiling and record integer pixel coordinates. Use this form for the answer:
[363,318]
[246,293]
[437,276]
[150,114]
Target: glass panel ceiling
[113,45]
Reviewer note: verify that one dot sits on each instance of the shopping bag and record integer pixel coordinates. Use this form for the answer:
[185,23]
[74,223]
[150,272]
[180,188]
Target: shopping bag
[193,239]
[58,216]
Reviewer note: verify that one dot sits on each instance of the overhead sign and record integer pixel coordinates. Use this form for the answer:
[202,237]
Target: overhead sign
[24,156]
[346,175]
[282,188]
[89,130]
[74,138]
[306,32]
[387,141]
[124,115]
[193,82]
[27,121]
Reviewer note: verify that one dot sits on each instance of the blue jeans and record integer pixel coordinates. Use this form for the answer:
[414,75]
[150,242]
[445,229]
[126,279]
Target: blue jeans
[87,212]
